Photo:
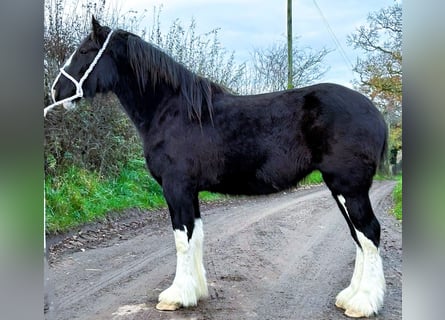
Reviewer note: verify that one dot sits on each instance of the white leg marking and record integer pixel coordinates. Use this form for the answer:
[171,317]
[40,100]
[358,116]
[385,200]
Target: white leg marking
[197,243]
[364,296]
[190,283]
[369,296]
[346,294]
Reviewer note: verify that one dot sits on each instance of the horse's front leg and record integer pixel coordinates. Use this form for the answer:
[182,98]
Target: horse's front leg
[190,282]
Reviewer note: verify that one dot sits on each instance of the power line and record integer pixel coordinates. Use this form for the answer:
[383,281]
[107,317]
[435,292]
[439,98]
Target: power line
[334,38]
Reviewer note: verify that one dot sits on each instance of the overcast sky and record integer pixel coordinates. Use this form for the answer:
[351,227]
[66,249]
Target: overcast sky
[248,24]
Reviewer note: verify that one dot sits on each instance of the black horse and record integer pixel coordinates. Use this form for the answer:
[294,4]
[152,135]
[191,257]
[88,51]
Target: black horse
[199,136]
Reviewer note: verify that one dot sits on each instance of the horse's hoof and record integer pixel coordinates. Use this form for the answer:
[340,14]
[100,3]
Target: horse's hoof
[340,305]
[354,313]
[165,306]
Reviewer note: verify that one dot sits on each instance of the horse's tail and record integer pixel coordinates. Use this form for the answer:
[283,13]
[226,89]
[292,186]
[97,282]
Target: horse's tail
[384,150]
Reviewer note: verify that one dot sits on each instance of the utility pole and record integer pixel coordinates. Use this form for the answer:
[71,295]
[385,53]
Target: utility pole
[289,45]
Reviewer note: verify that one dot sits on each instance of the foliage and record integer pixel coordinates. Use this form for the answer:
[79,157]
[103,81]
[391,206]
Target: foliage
[395,136]
[397,197]
[380,70]
[96,137]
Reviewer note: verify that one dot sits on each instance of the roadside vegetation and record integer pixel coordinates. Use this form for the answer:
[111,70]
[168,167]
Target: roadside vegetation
[397,197]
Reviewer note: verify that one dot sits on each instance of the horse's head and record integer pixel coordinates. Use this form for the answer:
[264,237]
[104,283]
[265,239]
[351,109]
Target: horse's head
[90,70]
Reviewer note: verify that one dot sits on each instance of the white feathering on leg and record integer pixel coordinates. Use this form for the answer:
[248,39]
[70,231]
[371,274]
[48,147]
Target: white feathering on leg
[347,293]
[190,282]
[369,297]
[364,296]
[182,292]
[197,243]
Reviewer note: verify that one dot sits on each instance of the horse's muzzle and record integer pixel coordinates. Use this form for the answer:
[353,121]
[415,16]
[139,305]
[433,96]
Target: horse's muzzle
[70,105]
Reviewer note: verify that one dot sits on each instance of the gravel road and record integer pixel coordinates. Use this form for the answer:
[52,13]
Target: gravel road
[283,256]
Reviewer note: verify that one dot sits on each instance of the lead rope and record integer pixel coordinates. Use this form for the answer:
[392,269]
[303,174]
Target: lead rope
[78,84]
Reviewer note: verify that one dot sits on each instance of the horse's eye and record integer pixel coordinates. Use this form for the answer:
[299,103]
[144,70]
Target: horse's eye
[83,51]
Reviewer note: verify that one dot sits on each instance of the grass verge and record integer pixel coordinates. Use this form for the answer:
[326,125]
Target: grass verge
[397,196]
[79,196]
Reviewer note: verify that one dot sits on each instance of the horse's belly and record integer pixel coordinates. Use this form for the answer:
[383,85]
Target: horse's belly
[242,185]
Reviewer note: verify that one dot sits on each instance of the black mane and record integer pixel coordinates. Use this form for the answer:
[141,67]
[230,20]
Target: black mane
[153,66]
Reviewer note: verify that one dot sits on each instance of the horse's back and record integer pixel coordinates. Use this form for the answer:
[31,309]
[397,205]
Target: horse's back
[315,118]
[341,115]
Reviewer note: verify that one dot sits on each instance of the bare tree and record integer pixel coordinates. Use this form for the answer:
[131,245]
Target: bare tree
[201,53]
[269,67]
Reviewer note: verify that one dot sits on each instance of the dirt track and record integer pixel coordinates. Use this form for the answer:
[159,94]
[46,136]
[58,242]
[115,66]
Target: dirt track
[284,256]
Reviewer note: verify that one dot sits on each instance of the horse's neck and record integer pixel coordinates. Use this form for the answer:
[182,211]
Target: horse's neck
[142,107]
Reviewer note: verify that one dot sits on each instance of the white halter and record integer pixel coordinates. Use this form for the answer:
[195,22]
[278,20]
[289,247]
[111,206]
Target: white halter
[67,102]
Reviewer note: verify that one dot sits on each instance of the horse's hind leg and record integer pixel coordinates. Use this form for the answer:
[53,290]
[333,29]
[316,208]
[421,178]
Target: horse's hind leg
[189,284]
[364,296]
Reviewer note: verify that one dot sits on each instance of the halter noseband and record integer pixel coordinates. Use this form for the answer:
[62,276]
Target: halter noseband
[78,84]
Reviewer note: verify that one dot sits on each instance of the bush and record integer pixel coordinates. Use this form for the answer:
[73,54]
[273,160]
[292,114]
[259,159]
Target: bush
[96,136]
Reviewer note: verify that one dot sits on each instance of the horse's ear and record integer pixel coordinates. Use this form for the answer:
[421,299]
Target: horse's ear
[97,28]
[99,32]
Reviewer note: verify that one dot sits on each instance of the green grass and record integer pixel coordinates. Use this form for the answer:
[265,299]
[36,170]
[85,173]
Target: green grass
[80,196]
[380,177]
[397,196]
[210,196]
[314,177]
